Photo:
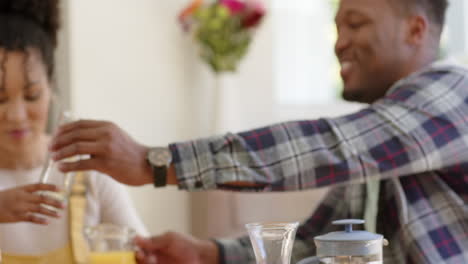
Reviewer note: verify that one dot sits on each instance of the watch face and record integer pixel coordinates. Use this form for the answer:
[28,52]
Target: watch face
[159,156]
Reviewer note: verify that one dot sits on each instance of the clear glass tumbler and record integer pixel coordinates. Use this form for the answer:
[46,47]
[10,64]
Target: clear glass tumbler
[272,242]
[52,175]
[111,244]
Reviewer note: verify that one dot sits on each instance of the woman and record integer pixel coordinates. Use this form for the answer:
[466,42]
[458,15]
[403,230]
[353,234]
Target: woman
[29,231]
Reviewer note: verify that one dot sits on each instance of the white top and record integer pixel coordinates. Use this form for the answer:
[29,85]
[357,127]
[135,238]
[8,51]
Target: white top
[107,202]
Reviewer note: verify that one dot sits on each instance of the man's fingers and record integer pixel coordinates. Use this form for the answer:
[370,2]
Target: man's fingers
[73,127]
[142,243]
[140,256]
[148,245]
[78,148]
[40,187]
[145,258]
[151,259]
[81,124]
[80,165]
[72,136]
[155,243]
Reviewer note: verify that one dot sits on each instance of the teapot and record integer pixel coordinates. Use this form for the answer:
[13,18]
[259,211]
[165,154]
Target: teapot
[348,246]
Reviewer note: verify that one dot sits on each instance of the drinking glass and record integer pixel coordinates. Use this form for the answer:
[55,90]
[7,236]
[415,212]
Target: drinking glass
[111,244]
[272,242]
[52,175]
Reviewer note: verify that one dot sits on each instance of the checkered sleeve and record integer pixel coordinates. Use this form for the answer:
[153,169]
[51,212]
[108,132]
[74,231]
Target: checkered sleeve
[411,130]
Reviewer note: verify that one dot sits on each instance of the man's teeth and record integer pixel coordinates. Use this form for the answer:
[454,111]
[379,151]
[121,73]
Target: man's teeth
[346,65]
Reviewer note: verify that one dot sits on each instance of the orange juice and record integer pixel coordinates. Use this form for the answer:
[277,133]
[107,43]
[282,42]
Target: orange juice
[113,257]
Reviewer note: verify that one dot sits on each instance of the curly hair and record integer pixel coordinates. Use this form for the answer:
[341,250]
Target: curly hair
[26,24]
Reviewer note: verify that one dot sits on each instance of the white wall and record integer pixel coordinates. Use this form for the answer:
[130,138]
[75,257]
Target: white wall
[456,23]
[127,66]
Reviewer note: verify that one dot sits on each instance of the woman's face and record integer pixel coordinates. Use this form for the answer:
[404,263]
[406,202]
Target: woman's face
[24,100]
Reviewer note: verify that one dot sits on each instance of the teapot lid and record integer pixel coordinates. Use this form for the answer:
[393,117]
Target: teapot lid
[349,235]
[349,242]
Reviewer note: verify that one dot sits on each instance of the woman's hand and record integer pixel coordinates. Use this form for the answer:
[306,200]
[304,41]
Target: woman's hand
[24,204]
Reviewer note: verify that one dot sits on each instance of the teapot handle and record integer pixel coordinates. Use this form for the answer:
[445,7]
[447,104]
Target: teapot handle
[385,242]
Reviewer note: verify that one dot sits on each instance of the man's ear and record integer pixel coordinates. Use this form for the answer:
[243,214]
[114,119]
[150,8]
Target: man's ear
[418,30]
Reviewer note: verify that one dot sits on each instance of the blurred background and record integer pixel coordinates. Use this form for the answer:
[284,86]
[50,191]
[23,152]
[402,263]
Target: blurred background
[129,61]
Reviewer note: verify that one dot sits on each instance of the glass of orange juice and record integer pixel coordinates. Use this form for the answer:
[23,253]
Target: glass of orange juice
[111,244]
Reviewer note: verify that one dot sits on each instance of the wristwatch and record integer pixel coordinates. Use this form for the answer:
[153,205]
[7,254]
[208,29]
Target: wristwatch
[159,158]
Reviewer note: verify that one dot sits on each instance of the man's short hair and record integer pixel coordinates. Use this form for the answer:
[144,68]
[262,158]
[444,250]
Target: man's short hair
[434,9]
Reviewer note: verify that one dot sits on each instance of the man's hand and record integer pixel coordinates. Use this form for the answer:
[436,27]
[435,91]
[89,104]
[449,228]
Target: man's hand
[175,248]
[24,204]
[111,151]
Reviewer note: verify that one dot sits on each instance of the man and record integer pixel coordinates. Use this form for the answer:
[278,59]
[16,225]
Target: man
[412,140]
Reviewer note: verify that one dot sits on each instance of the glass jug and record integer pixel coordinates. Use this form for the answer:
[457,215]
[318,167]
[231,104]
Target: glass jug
[111,244]
[272,242]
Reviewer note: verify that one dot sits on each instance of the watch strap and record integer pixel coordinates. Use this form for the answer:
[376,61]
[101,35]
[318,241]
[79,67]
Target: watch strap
[160,176]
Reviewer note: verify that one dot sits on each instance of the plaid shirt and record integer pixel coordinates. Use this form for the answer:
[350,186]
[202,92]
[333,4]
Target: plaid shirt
[414,139]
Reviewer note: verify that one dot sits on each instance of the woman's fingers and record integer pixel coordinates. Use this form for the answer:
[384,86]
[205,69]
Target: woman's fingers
[32,218]
[43,210]
[44,198]
[31,188]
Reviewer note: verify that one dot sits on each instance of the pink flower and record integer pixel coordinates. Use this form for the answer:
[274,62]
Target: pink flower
[254,15]
[235,6]
[184,16]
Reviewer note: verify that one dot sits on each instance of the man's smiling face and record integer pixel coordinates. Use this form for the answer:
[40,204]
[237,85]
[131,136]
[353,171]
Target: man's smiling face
[371,47]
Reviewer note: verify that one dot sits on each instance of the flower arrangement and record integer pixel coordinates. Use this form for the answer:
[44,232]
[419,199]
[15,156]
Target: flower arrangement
[223,29]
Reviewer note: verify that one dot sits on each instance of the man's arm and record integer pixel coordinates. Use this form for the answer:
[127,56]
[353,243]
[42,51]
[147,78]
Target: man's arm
[385,140]
[415,128]
[411,130]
